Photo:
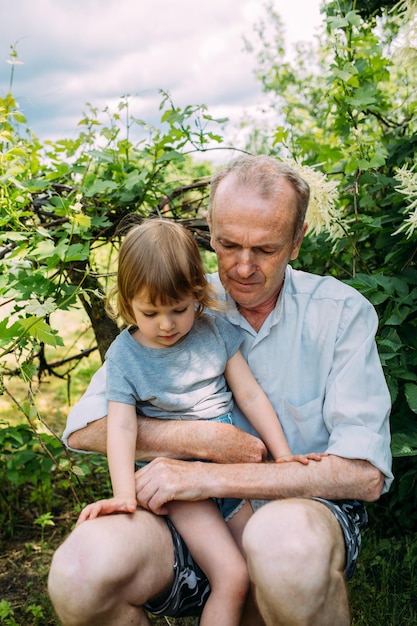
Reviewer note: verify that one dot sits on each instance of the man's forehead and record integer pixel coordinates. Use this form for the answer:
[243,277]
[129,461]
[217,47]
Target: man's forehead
[236,231]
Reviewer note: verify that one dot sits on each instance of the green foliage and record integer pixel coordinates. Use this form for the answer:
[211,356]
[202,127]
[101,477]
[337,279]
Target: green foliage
[63,206]
[37,475]
[7,613]
[57,212]
[365,8]
[34,614]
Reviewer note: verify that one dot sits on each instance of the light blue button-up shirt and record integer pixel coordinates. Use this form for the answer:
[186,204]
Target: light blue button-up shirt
[316,358]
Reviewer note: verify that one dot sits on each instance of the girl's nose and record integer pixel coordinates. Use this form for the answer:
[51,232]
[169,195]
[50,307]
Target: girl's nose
[167,323]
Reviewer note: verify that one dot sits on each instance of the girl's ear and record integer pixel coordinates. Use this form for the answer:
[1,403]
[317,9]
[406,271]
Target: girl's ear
[129,315]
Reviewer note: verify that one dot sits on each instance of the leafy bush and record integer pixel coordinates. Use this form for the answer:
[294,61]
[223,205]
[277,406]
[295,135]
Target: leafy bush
[37,475]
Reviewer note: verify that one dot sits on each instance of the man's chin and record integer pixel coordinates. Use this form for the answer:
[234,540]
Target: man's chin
[244,295]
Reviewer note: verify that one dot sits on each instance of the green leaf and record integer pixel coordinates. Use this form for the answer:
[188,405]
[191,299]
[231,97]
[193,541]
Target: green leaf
[170,155]
[411,396]
[100,186]
[404,444]
[377,297]
[353,18]
[38,328]
[28,370]
[6,334]
[44,249]
[391,346]
[337,22]
[75,252]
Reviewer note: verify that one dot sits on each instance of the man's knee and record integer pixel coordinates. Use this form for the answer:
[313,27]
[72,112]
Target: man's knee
[101,557]
[74,569]
[294,535]
[295,554]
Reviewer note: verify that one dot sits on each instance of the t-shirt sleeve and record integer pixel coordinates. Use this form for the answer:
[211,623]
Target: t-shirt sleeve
[232,336]
[120,383]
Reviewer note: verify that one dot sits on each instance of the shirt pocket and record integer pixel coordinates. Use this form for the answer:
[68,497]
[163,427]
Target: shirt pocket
[304,426]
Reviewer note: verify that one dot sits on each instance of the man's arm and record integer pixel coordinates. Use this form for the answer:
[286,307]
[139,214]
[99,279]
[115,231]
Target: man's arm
[332,478]
[185,439]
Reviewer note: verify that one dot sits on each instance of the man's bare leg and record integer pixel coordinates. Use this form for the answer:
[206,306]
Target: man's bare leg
[295,551]
[109,567]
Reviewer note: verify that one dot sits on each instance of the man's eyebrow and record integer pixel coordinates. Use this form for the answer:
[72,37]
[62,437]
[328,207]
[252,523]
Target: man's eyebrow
[268,245]
[226,239]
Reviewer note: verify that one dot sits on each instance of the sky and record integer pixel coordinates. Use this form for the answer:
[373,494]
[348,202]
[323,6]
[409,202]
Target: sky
[79,51]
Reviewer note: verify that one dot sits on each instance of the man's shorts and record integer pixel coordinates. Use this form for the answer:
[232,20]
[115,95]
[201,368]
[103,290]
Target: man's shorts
[352,517]
[191,589]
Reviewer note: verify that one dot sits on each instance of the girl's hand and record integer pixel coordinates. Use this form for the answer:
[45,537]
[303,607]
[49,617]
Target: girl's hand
[118,504]
[302,458]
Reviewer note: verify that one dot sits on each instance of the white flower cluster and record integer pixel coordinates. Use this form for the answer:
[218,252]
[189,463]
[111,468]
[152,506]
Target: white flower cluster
[323,215]
[407,178]
[406,54]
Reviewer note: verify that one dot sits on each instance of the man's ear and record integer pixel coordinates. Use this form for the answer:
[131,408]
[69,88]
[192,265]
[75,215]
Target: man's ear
[207,216]
[297,244]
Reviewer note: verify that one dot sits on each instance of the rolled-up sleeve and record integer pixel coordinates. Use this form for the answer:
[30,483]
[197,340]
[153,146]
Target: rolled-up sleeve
[92,405]
[357,402]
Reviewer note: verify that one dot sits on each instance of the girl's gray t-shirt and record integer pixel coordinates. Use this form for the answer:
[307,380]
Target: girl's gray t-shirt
[184,381]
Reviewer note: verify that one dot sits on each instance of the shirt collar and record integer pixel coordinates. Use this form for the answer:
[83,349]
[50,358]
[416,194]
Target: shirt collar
[273,318]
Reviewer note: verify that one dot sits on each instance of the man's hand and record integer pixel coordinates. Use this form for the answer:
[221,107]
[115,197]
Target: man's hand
[165,480]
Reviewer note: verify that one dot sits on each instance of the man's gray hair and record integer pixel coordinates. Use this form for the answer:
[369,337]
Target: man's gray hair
[265,174]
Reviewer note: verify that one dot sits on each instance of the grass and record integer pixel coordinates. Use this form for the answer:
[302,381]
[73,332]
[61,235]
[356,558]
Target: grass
[36,516]
[383,590]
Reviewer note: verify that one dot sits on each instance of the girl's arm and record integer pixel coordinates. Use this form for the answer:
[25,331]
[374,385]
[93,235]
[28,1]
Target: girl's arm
[121,444]
[255,405]
[122,431]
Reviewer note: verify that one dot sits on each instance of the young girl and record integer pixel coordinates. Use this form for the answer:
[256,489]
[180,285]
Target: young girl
[178,361]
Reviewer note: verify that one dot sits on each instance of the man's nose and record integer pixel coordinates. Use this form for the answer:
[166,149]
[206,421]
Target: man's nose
[245,265]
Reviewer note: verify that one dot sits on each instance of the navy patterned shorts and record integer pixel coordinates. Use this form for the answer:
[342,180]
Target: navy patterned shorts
[352,517]
[190,589]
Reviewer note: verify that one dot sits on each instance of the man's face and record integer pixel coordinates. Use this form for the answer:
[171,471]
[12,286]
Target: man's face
[253,239]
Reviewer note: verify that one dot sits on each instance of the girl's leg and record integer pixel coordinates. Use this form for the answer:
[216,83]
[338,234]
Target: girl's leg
[211,544]
[236,525]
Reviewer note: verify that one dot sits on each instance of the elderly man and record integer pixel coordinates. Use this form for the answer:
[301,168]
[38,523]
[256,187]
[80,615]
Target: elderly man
[310,342]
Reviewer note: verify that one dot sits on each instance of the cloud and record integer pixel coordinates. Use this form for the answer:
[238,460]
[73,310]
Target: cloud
[78,51]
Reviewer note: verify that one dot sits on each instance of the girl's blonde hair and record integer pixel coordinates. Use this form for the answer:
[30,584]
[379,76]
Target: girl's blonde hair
[161,258]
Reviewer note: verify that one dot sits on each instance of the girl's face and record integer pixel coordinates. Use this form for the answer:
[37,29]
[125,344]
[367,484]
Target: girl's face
[162,326]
